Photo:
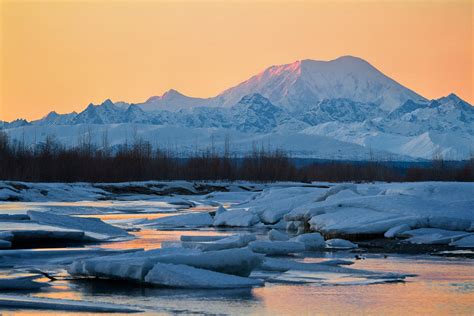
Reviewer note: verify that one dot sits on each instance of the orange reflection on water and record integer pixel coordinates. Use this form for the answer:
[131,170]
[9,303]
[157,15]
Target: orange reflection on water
[440,288]
[152,239]
[444,286]
[149,238]
[120,216]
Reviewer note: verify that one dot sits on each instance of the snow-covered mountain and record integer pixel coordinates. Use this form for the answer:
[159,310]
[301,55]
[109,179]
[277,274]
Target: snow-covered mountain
[341,109]
[299,85]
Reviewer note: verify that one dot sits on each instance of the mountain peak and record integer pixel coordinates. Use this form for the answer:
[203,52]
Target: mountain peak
[303,63]
[350,58]
[279,69]
[340,59]
[254,98]
[453,100]
[107,102]
[305,82]
[168,95]
[453,97]
[171,93]
[51,114]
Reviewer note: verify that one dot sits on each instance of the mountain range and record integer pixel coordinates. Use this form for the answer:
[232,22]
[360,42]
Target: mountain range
[339,109]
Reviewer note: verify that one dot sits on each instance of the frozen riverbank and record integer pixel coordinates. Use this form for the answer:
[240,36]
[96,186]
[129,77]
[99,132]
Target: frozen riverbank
[226,236]
[420,213]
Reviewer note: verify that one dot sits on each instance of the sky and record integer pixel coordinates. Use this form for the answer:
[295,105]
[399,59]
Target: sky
[63,55]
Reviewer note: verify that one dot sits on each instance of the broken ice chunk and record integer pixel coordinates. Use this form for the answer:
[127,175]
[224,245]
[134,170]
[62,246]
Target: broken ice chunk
[183,276]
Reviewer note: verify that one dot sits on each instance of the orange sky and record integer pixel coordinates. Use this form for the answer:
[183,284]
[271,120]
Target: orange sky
[62,55]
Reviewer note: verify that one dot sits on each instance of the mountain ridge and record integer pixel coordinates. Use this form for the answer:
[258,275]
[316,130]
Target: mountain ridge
[346,99]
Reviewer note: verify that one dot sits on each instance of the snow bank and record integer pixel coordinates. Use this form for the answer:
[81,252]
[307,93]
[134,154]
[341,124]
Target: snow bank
[138,190]
[346,210]
[449,223]
[336,189]
[356,221]
[9,194]
[437,191]
[375,215]
[274,203]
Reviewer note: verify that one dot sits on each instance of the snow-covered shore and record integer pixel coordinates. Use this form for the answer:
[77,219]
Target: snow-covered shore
[431,212]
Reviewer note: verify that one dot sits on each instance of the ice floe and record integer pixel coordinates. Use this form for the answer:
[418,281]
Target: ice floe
[4,244]
[21,283]
[236,218]
[349,189]
[465,242]
[201,238]
[395,231]
[182,276]
[434,236]
[6,235]
[137,266]
[337,262]
[284,265]
[235,241]
[311,241]
[277,247]
[52,257]
[239,262]
[94,227]
[340,244]
[275,235]
[197,219]
[31,233]
[220,210]
[35,303]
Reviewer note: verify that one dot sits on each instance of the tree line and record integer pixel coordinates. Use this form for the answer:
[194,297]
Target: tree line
[50,161]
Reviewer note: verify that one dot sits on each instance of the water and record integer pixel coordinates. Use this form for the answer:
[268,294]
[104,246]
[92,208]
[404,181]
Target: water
[442,286]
